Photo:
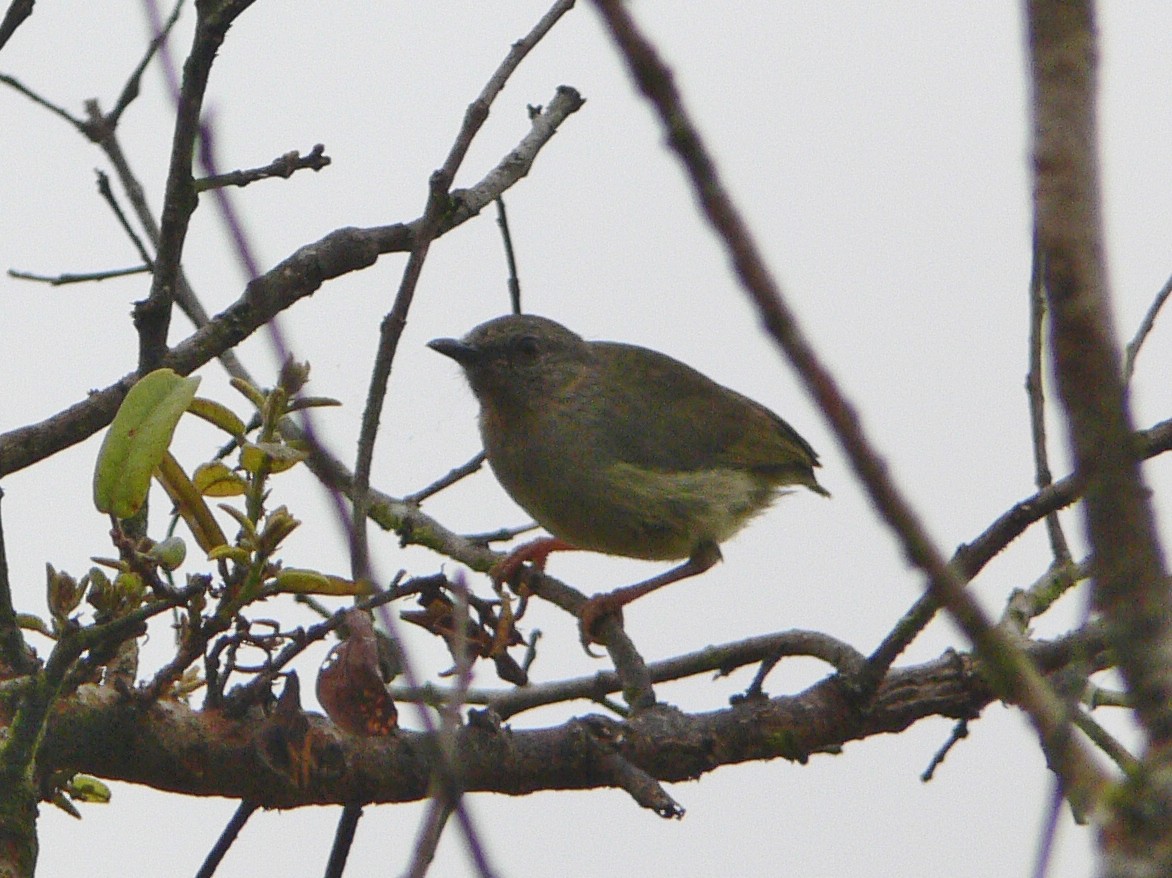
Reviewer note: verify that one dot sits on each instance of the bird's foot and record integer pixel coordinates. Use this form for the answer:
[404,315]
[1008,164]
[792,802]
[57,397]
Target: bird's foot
[593,613]
[536,552]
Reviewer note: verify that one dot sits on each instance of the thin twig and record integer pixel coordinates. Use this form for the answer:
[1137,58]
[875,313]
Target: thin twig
[1107,742]
[1036,397]
[283,166]
[343,840]
[15,84]
[427,839]
[959,732]
[227,838]
[447,480]
[13,650]
[1026,604]
[59,280]
[108,196]
[437,205]
[502,220]
[501,534]
[130,90]
[390,331]
[722,659]
[1145,327]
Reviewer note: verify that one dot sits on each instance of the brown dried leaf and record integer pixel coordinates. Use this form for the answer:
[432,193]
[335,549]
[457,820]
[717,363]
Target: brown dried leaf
[349,685]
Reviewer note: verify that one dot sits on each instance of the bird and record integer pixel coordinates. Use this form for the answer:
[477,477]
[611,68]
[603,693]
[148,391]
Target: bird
[622,450]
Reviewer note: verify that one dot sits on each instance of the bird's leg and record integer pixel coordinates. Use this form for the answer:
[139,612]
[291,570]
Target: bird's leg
[601,605]
[536,552]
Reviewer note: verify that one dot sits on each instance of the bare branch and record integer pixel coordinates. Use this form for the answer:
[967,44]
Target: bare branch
[284,166]
[18,11]
[1145,327]
[447,480]
[239,817]
[1036,396]
[1131,583]
[152,316]
[59,280]
[666,744]
[722,659]
[300,275]
[396,319]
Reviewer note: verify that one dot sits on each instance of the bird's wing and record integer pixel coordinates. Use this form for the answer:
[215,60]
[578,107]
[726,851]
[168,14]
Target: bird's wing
[695,422]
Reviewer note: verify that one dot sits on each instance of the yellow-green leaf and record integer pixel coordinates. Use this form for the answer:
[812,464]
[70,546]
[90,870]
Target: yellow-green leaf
[298,581]
[31,622]
[216,479]
[169,552]
[250,392]
[137,440]
[84,788]
[279,457]
[217,415]
[189,503]
[230,553]
[311,402]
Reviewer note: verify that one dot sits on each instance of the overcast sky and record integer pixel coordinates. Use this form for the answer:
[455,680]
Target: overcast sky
[879,151]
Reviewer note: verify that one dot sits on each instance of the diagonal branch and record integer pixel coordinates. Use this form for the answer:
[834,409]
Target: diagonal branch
[152,316]
[300,275]
[18,11]
[1131,582]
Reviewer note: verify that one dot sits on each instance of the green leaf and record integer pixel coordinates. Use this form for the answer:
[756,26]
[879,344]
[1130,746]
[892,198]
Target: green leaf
[217,415]
[84,788]
[30,622]
[276,455]
[250,392]
[169,552]
[311,402]
[137,440]
[230,553]
[295,580]
[216,479]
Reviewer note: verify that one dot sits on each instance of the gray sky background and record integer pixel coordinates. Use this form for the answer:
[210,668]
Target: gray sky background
[879,151]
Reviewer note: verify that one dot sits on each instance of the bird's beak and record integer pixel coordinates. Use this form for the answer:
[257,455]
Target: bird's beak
[462,352]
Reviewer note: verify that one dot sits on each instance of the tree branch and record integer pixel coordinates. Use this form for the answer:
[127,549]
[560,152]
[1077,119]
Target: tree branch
[99,732]
[152,316]
[300,275]
[1131,583]
[18,11]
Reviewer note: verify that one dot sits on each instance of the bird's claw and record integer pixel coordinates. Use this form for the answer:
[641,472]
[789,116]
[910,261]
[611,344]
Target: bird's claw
[592,614]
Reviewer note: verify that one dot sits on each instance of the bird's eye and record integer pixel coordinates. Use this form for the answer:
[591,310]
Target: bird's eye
[527,348]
